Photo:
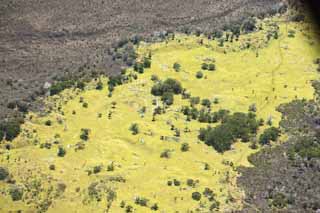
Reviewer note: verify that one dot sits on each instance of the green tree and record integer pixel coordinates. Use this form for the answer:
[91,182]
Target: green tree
[134,128]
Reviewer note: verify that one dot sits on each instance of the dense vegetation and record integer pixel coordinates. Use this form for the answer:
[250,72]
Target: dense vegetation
[236,126]
[286,177]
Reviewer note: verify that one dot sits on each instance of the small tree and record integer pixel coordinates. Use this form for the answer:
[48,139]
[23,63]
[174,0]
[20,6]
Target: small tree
[212,67]
[3,173]
[185,147]
[61,151]
[99,85]
[270,134]
[134,128]
[176,67]
[167,98]
[147,63]
[206,102]
[84,134]
[196,196]
[199,75]
[204,66]
[16,192]
[253,108]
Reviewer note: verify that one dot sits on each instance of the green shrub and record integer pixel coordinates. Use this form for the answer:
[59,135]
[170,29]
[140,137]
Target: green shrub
[10,129]
[199,75]
[167,98]
[196,196]
[84,134]
[191,183]
[252,108]
[176,182]
[185,147]
[60,86]
[154,78]
[176,67]
[97,169]
[99,85]
[306,147]
[138,67]
[169,85]
[206,102]
[233,127]
[279,200]
[204,66]
[48,123]
[212,67]
[154,207]
[134,128]
[61,151]
[165,154]
[147,63]
[141,201]
[16,192]
[270,134]
[194,101]
[3,173]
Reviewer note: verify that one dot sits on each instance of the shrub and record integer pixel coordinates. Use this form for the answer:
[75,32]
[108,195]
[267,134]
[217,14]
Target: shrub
[155,207]
[212,67]
[206,102]
[48,123]
[191,183]
[236,126]
[154,78]
[141,201]
[60,86]
[165,154]
[99,85]
[176,182]
[3,173]
[307,148]
[279,200]
[167,98]
[61,151]
[52,167]
[97,169]
[16,192]
[196,196]
[199,75]
[84,135]
[194,101]
[176,67]
[204,66]
[134,128]
[147,63]
[169,85]
[249,25]
[185,147]
[10,129]
[253,108]
[85,105]
[270,134]
[138,67]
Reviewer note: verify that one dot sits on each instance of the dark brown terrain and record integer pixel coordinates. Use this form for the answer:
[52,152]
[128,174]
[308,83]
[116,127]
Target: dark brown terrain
[40,40]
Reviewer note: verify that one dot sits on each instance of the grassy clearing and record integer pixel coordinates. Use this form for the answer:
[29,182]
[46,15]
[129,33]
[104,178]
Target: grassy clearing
[267,74]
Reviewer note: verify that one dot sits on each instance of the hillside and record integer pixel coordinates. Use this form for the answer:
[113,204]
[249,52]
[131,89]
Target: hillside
[42,41]
[131,144]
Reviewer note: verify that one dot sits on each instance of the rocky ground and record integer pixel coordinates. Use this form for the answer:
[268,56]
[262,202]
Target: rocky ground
[42,40]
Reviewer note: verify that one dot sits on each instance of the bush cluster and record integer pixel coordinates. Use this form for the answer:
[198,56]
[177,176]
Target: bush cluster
[167,89]
[270,134]
[236,126]
[10,129]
